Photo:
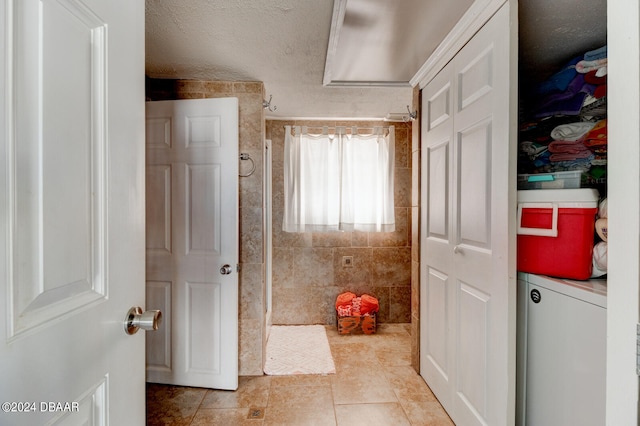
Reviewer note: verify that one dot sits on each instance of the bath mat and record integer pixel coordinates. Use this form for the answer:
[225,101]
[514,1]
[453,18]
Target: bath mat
[298,349]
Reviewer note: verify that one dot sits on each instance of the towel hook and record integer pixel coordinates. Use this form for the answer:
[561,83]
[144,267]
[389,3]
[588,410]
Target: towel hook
[245,156]
[412,115]
[267,104]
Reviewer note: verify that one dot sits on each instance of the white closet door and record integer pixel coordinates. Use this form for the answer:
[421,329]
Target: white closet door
[436,293]
[468,269]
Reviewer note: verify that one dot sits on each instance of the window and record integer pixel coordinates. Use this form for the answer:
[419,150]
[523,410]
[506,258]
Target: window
[339,182]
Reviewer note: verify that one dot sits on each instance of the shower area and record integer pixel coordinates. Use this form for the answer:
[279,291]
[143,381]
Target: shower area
[310,269]
[294,278]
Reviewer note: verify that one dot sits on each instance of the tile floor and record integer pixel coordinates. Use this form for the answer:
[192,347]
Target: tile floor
[374,384]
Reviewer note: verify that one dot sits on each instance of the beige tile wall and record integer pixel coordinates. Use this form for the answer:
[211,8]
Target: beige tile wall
[251,130]
[307,267]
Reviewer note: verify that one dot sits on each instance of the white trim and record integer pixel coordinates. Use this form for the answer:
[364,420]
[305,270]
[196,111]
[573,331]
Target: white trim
[339,9]
[337,20]
[477,15]
[623,29]
[367,83]
[268,233]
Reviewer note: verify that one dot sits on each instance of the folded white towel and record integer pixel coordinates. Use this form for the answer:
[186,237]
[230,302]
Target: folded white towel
[571,131]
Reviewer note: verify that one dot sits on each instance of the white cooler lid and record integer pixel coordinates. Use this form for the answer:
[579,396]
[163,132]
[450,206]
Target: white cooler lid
[582,197]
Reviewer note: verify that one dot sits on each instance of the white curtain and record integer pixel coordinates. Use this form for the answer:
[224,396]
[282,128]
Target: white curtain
[339,182]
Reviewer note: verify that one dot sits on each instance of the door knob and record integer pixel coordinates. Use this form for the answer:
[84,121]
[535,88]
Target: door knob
[457,250]
[226,270]
[137,319]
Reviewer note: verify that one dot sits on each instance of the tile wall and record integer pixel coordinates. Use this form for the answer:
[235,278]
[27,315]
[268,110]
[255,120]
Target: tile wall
[307,267]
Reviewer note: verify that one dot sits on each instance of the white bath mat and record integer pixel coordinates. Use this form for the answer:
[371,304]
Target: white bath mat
[298,349]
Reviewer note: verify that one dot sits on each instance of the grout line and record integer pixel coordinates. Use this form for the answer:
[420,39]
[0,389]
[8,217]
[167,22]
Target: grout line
[204,395]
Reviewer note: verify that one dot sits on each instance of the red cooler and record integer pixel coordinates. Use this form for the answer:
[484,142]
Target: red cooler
[555,232]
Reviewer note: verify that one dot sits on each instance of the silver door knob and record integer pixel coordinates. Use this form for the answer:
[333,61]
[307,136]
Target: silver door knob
[137,319]
[457,250]
[226,270]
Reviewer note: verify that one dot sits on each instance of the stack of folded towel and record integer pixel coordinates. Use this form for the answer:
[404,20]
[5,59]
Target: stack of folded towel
[576,86]
[564,126]
[348,304]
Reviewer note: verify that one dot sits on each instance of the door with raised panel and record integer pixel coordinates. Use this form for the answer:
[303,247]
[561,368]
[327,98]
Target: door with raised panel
[192,233]
[71,211]
[436,293]
[468,268]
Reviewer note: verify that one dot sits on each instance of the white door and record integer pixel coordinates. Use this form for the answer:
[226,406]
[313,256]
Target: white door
[468,249]
[192,233]
[71,211]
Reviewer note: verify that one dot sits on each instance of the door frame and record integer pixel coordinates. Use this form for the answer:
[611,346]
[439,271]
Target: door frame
[623,305]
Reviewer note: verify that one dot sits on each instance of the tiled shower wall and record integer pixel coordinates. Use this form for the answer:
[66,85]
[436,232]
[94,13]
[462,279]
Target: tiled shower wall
[307,267]
[251,128]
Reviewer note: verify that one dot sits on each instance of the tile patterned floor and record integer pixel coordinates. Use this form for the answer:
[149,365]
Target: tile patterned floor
[374,384]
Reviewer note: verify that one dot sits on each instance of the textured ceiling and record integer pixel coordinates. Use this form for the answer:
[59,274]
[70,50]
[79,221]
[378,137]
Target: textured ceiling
[284,44]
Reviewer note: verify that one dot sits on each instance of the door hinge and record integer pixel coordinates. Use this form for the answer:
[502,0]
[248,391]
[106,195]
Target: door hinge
[638,349]
[238,269]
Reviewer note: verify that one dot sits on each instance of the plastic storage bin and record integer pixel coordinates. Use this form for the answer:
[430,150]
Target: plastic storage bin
[555,232]
[558,180]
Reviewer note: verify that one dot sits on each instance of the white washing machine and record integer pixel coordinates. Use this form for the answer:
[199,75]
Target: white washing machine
[561,351]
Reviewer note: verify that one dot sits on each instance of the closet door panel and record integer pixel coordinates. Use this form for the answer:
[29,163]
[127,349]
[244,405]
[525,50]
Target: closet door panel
[438,106]
[436,288]
[437,344]
[473,321]
[475,79]
[438,190]
[484,154]
[473,151]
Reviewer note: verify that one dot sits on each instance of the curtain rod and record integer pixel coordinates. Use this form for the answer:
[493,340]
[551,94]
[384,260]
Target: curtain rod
[325,129]
[337,127]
